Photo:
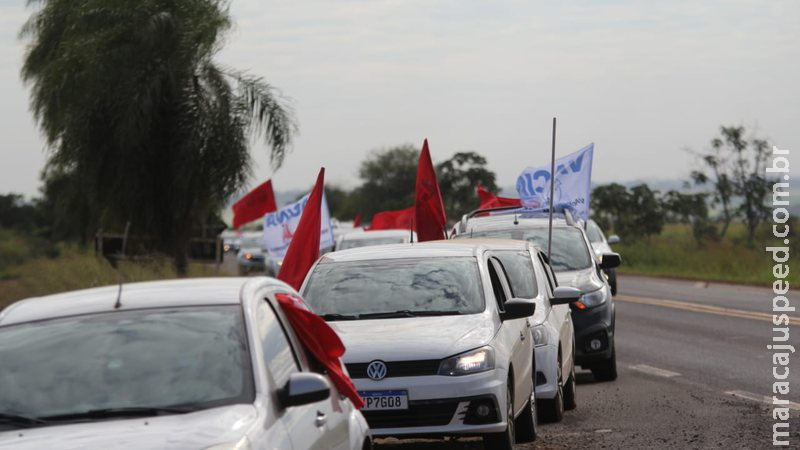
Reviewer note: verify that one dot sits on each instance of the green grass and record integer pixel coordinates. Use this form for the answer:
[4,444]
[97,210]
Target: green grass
[675,253]
[77,268]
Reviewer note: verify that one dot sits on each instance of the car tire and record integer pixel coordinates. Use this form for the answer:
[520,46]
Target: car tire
[571,389]
[607,370]
[504,440]
[552,409]
[528,423]
[612,280]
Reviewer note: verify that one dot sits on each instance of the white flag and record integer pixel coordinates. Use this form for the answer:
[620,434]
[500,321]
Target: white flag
[279,227]
[572,186]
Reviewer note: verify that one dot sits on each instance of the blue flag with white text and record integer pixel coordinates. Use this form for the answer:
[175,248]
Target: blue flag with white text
[573,183]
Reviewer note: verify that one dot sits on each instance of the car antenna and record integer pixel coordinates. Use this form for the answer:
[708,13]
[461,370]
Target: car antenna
[516,222]
[552,189]
[118,303]
[412,230]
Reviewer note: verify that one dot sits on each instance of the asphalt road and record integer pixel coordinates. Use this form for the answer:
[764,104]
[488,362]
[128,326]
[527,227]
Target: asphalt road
[693,373]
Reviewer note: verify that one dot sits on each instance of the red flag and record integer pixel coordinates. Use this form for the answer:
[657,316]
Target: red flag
[357,221]
[489,200]
[390,220]
[429,216]
[304,248]
[321,341]
[254,205]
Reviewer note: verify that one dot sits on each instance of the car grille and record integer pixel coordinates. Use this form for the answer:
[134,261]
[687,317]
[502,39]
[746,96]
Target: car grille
[398,368]
[421,413]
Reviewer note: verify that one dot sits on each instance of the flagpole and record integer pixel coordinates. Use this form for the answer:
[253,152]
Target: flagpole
[552,189]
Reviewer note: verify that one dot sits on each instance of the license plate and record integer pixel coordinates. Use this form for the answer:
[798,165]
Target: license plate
[383,400]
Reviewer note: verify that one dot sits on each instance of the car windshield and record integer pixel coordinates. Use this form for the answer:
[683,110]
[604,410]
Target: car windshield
[569,247]
[252,242]
[395,288]
[193,358]
[366,242]
[593,233]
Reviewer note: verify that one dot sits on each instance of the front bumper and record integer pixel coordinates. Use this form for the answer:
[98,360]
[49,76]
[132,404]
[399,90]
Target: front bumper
[593,324]
[439,405]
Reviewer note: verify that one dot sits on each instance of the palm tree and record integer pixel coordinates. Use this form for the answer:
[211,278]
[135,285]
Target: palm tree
[135,110]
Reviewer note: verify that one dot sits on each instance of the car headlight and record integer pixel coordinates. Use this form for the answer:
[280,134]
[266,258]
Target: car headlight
[594,298]
[539,335]
[473,361]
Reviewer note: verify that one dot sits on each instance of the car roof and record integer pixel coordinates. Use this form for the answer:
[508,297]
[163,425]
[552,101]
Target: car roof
[151,294]
[506,221]
[366,234]
[430,249]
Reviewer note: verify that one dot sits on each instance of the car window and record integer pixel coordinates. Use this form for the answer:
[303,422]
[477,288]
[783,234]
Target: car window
[570,251]
[548,271]
[416,285]
[278,353]
[593,232]
[495,272]
[519,269]
[140,358]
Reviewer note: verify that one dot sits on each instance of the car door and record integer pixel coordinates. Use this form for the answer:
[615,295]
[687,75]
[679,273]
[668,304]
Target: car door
[320,425]
[517,334]
[562,313]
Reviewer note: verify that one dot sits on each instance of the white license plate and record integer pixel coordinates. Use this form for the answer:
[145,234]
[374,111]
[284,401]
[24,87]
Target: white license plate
[383,400]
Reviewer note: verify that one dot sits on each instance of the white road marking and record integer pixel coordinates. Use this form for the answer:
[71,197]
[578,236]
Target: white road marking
[650,370]
[762,399]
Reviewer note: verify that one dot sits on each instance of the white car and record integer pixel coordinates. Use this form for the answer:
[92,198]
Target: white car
[250,256]
[188,364]
[362,238]
[532,277]
[436,343]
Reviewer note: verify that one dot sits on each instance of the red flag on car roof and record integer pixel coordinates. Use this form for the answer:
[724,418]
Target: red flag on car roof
[429,215]
[489,200]
[321,341]
[357,221]
[303,251]
[390,220]
[254,205]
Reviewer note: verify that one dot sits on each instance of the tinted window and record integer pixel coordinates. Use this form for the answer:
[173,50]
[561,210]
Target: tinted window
[278,353]
[569,247]
[143,358]
[447,285]
[519,269]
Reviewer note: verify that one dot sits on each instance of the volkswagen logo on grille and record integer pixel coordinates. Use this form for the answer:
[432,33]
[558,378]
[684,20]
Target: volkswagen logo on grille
[376,370]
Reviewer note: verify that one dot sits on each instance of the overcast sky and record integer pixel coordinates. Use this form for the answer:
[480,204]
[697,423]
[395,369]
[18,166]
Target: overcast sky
[641,79]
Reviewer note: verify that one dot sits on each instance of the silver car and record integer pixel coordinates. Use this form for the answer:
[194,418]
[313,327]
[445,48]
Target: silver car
[188,364]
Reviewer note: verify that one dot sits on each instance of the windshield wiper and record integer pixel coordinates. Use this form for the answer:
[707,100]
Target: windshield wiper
[21,420]
[339,317]
[129,411]
[406,313]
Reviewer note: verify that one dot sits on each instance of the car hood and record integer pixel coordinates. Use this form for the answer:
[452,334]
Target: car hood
[195,430]
[586,280]
[413,338]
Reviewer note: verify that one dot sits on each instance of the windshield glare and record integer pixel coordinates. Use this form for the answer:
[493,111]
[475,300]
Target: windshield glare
[194,357]
[436,285]
[569,247]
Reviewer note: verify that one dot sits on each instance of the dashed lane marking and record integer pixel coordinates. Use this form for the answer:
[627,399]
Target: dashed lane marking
[650,370]
[762,399]
[708,309]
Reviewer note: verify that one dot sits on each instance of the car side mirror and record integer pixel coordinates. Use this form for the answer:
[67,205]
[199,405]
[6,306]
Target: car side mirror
[517,308]
[303,388]
[613,239]
[610,260]
[564,295]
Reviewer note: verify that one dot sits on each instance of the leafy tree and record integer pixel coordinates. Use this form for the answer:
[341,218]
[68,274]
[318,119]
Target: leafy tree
[690,209]
[458,177]
[735,168]
[138,115]
[632,213]
[388,179]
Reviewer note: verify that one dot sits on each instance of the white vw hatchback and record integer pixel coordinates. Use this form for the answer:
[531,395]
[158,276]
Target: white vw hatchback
[436,343]
[188,364]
